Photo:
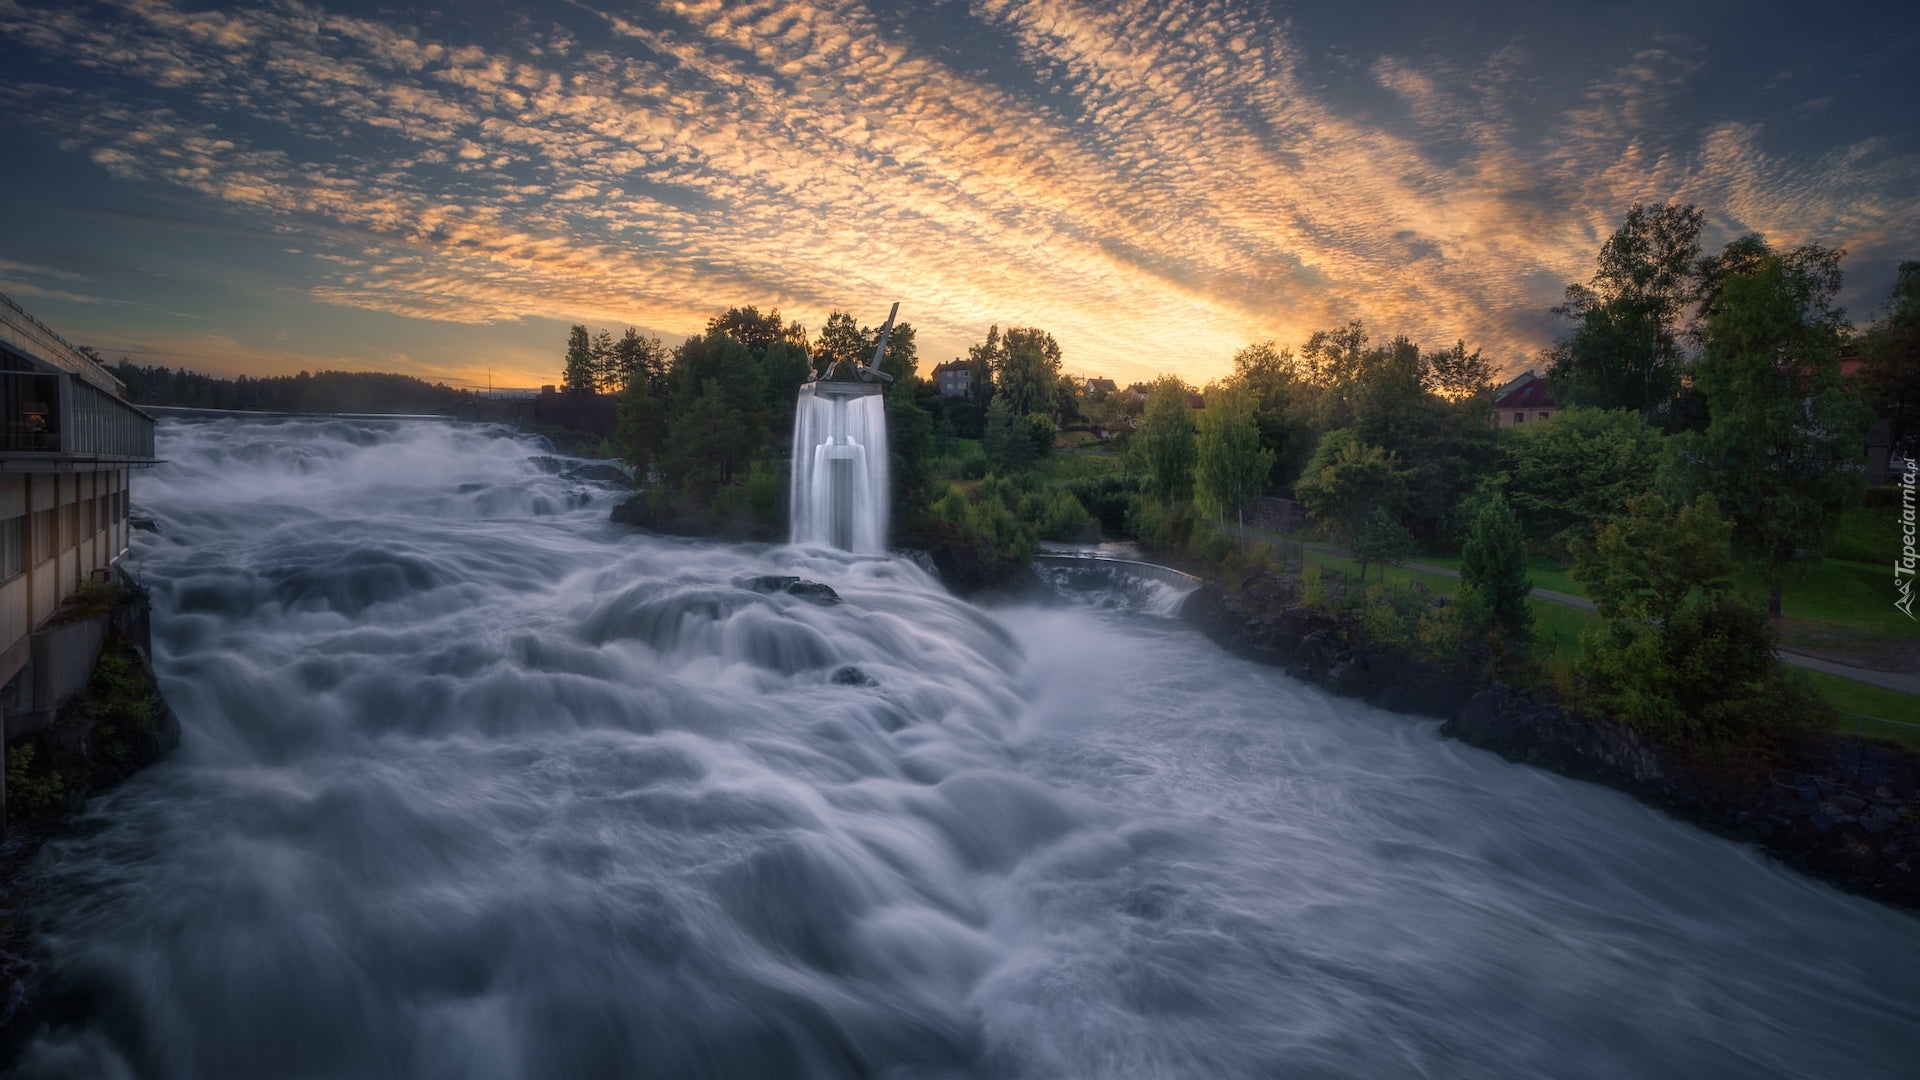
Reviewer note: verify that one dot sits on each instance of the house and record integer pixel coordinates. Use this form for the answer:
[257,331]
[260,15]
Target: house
[954,378]
[1527,397]
[1099,389]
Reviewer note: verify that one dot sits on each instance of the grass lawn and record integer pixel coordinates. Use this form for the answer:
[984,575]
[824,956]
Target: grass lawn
[1863,700]
[1833,605]
[1064,465]
[1556,640]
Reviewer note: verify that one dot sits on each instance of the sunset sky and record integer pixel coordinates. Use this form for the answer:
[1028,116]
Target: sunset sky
[442,191]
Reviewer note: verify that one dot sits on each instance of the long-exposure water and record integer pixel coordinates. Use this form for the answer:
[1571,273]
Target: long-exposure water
[473,784]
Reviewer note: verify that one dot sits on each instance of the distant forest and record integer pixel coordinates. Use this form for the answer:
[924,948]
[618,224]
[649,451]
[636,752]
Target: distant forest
[325,392]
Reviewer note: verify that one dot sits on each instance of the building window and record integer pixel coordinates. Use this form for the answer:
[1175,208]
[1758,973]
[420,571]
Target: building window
[13,538]
[1544,415]
[1519,418]
[42,535]
[87,519]
[70,525]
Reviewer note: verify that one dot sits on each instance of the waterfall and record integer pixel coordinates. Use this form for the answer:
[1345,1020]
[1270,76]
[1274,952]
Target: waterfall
[839,493]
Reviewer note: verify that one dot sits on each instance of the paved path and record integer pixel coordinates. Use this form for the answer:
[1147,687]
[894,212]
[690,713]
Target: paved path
[1905,682]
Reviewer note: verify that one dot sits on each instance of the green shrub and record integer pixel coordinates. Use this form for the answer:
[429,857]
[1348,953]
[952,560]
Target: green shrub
[974,465]
[1211,546]
[1706,677]
[30,790]
[1057,515]
[1155,525]
[1107,498]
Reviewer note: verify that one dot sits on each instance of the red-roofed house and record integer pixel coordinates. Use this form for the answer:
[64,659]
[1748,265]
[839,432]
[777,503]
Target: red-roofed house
[1525,399]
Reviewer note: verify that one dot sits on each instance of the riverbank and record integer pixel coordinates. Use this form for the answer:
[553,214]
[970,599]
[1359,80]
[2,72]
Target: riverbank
[117,726]
[1846,811]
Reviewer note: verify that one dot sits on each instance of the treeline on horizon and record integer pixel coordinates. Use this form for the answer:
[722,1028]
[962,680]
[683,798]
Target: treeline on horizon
[306,392]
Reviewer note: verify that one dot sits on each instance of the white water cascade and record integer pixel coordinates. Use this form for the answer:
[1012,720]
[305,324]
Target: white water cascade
[839,493]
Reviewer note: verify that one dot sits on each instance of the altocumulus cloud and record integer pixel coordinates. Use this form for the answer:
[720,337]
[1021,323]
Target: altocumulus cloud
[1158,183]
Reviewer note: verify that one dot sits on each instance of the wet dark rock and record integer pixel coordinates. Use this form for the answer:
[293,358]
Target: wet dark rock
[811,591]
[853,676]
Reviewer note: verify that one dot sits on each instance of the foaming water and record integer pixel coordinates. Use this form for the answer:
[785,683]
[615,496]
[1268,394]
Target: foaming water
[475,785]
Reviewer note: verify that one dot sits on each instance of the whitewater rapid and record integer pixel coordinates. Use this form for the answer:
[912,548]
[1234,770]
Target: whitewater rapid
[474,784]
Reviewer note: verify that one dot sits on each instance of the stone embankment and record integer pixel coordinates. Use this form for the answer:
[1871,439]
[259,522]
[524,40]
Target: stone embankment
[1843,810]
[56,759]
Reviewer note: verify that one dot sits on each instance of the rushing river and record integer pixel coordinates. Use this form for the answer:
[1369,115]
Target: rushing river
[475,785]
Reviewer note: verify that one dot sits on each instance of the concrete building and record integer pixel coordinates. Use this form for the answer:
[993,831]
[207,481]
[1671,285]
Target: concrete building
[69,441]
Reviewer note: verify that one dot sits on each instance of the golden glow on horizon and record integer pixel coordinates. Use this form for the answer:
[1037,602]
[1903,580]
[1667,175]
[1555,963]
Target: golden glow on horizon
[1199,194]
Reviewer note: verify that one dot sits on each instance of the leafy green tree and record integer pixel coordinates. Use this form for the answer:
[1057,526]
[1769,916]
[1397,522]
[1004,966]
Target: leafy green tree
[1345,480]
[578,375]
[602,363]
[1331,361]
[1164,441]
[842,341]
[1381,540]
[1784,435]
[1567,476]
[636,357]
[1680,657]
[1009,439]
[756,331]
[1027,370]
[1624,351]
[1457,374]
[1645,563]
[1230,466]
[1891,348]
[1268,373]
[1493,569]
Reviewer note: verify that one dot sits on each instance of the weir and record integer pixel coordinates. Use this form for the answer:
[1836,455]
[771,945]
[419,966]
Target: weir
[838,497]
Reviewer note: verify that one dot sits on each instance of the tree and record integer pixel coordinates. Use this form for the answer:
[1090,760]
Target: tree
[602,362]
[1230,465]
[1164,440]
[1457,374]
[1679,656]
[635,357]
[757,332]
[841,341]
[1009,440]
[1027,369]
[1891,348]
[1345,480]
[1381,540]
[578,375]
[1646,562]
[1625,348]
[1267,372]
[1493,569]
[1784,435]
[1569,475]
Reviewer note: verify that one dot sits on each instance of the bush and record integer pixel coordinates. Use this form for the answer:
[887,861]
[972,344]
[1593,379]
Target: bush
[974,465]
[1210,545]
[1707,677]
[1107,498]
[1155,525]
[1057,515]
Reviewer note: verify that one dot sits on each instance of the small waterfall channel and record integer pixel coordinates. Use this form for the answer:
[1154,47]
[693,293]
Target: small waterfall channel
[839,492]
